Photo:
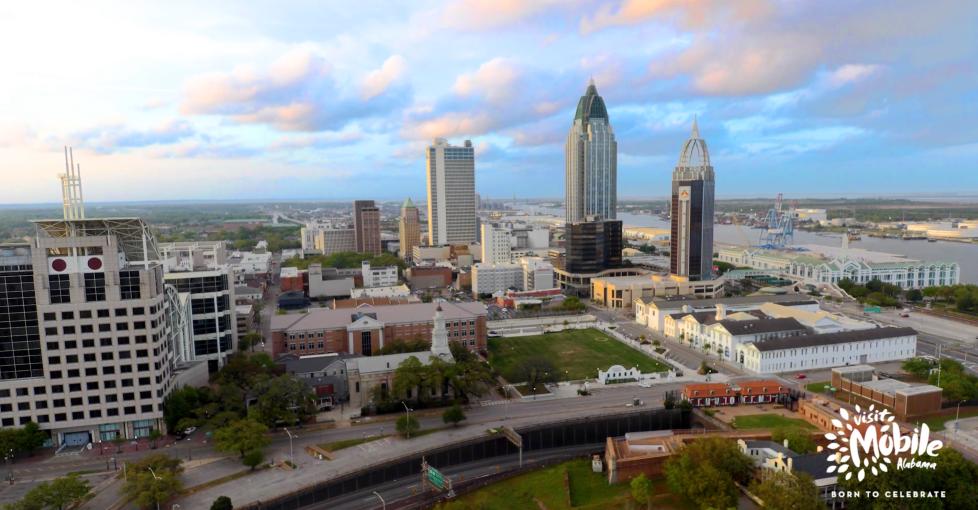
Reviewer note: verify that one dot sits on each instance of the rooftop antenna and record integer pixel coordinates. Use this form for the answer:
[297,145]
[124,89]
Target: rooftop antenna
[71,188]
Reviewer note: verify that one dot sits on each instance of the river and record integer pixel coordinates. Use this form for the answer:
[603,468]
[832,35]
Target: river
[965,254]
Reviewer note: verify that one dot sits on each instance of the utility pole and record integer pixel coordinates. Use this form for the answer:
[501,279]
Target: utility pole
[291,452]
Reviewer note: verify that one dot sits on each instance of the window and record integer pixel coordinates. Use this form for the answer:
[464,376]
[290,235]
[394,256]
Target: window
[87,328]
[50,316]
[88,343]
[74,387]
[85,314]
[129,284]
[103,313]
[94,287]
[121,312]
[93,385]
[67,316]
[59,288]
[105,342]
[52,346]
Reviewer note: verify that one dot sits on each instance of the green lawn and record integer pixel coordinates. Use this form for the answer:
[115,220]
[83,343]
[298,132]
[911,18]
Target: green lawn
[817,387]
[347,443]
[768,421]
[525,390]
[545,489]
[576,353]
[937,422]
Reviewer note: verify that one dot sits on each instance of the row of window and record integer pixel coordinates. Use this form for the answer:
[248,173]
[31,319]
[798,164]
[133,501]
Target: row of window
[101,313]
[77,415]
[59,287]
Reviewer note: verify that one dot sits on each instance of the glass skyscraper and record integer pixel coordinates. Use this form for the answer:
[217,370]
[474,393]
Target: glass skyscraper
[591,162]
[691,244]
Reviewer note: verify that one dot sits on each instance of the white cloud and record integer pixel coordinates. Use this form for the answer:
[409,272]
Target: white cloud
[378,81]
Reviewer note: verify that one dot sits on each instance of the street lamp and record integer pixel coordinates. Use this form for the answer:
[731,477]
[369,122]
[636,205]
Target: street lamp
[407,420]
[8,458]
[291,452]
[383,504]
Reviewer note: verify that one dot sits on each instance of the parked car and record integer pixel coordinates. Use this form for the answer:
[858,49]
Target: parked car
[800,376]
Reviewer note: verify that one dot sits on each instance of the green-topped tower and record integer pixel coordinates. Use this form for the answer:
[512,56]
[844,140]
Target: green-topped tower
[409,229]
[591,161]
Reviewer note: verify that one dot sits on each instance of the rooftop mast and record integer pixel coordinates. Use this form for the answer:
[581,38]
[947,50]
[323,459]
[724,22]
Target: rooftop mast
[71,188]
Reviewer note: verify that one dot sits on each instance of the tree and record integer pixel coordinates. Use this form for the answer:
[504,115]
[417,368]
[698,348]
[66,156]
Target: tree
[453,415]
[918,367]
[253,458]
[241,437]
[154,436]
[284,400]
[915,295]
[153,480]
[799,439]
[685,405]
[705,470]
[669,402]
[249,340]
[411,378]
[535,371]
[572,304]
[222,503]
[406,425]
[642,490]
[180,405]
[30,437]
[787,490]
[953,474]
[56,494]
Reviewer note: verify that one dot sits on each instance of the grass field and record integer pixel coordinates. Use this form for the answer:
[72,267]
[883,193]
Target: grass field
[577,354]
[347,443]
[938,422]
[817,387]
[768,421]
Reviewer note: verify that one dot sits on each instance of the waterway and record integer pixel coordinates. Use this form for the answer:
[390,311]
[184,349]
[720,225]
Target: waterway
[965,254]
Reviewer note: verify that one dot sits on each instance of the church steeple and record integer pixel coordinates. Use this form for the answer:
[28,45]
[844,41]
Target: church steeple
[439,335]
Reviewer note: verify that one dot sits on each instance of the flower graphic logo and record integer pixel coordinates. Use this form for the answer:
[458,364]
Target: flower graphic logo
[845,443]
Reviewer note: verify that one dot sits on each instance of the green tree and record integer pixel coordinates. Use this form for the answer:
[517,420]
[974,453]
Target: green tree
[786,490]
[705,470]
[31,437]
[572,304]
[642,490]
[453,415]
[153,480]
[154,436]
[253,458]
[179,405]
[685,405]
[799,439]
[222,503]
[915,295]
[241,437]
[918,367]
[55,494]
[953,474]
[406,425]
[536,371]
[284,400]
[249,340]
[412,378]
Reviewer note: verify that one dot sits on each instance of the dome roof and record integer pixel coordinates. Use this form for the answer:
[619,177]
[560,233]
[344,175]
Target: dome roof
[694,153]
[591,105]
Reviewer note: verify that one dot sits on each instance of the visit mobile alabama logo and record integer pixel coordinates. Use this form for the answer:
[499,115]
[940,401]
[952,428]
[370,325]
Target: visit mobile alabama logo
[870,440]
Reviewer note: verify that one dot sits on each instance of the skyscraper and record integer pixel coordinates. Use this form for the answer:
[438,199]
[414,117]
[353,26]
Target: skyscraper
[409,229]
[451,193]
[591,162]
[691,245]
[366,227]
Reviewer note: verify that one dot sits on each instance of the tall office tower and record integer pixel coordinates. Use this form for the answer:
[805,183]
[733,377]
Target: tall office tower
[451,193]
[87,347]
[366,226]
[691,245]
[200,271]
[409,229]
[592,246]
[590,162]
[496,244]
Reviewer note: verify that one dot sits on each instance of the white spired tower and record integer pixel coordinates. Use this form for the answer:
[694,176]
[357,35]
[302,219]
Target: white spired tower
[71,188]
[439,335]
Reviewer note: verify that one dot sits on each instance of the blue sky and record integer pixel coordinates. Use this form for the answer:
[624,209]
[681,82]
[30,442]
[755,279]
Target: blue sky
[331,100]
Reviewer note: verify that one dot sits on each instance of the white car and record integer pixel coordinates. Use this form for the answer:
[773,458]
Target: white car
[189,430]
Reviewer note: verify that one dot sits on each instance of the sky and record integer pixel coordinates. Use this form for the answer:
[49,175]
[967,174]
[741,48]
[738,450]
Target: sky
[337,100]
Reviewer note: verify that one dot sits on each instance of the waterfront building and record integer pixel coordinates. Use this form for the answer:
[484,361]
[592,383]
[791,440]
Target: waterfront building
[409,229]
[691,242]
[590,161]
[451,193]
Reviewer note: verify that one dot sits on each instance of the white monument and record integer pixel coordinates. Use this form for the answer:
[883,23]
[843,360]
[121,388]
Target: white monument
[439,335]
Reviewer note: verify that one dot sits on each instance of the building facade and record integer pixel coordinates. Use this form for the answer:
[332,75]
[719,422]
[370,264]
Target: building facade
[590,162]
[451,193]
[592,246]
[336,240]
[827,350]
[378,276]
[621,292]
[408,229]
[496,244]
[366,227]
[691,244]
[492,278]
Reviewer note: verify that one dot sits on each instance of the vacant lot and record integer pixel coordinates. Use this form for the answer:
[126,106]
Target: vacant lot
[576,354]
[769,421]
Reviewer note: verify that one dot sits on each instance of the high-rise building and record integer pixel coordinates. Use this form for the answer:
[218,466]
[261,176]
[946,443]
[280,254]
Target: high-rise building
[201,270]
[409,229]
[691,245]
[336,240]
[496,244]
[88,330]
[590,162]
[366,227]
[451,193]
[592,246]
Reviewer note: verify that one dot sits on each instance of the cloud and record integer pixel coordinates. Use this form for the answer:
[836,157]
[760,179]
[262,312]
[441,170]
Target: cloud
[317,140]
[297,92]
[851,73]
[690,14]
[495,81]
[378,81]
[479,15]
[116,137]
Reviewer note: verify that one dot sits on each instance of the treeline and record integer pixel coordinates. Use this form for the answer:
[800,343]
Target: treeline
[875,292]
[346,260]
[964,297]
[956,382]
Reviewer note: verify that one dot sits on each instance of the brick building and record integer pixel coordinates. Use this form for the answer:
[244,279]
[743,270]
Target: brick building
[366,329]
[860,385]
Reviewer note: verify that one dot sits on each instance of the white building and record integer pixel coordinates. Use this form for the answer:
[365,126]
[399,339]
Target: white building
[248,264]
[330,282]
[492,278]
[496,244]
[538,274]
[336,240]
[378,276]
[451,193]
[653,312]
[397,291]
[827,265]
[816,215]
[817,351]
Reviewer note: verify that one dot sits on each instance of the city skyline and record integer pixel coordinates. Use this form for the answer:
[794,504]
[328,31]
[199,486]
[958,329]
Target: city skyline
[256,103]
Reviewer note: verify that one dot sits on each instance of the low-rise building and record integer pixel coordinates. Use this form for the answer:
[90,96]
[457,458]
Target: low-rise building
[290,279]
[709,394]
[426,277]
[378,276]
[245,316]
[492,278]
[538,274]
[396,291]
[335,240]
[325,374]
[761,391]
[908,402]
[366,329]
[652,312]
[620,292]
[827,350]
[330,282]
